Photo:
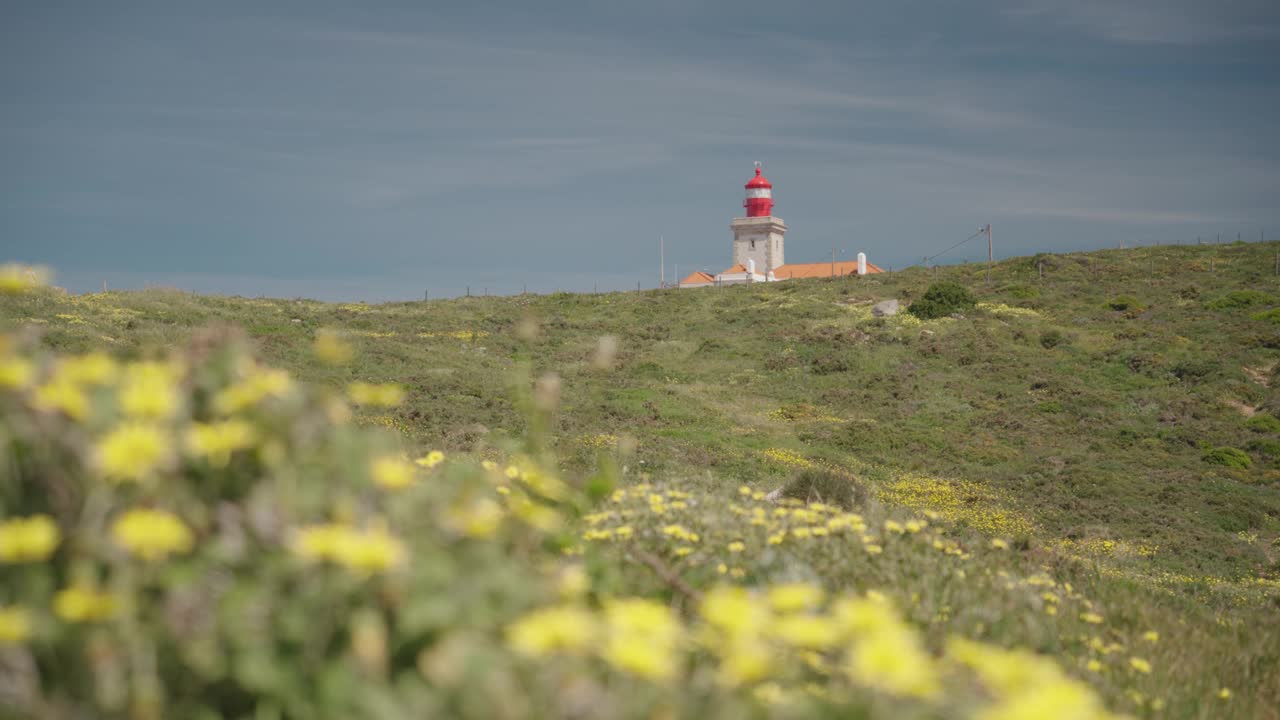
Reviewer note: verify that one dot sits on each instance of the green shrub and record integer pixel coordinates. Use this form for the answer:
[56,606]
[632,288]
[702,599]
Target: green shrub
[1021,292]
[1228,457]
[1263,423]
[1052,338]
[1237,299]
[941,300]
[1268,316]
[1124,302]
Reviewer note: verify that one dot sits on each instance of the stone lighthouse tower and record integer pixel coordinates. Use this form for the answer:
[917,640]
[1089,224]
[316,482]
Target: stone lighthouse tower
[757,238]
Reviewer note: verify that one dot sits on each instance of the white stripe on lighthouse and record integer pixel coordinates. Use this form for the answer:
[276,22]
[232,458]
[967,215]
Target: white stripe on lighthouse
[759,193]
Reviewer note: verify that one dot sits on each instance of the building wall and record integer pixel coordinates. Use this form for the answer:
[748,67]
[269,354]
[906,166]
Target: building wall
[759,239]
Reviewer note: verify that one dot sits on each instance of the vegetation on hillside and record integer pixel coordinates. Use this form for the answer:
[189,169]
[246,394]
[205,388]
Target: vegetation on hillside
[1050,472]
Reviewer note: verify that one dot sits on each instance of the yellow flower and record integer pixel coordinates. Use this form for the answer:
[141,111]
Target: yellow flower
[641,638]
[1092,618]
[15,625]
[152,534]
[64,396]
[16,373]
[29,539]
[217,440]
[479,518]
[258,386]
[573,582]
[1151,636]
[795,596]
[149,390]
[892,657]
[806,631]
[80,604]
[17,279]
[733,610]
[1224,694]
[565,629]
[95,368]
[369,551]
[361,551]
[318,542]
[893,527]
[331,348]
[999,544]
[132,451]
[745,660]
[1140,665]
[1094,665]
[392,472]
[387,395]
[431,459]
[737,546]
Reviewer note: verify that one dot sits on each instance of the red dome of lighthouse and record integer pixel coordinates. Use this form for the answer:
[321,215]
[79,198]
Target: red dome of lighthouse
[759,202]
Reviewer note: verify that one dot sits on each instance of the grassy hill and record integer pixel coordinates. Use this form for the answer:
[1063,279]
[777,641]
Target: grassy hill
[1111,416]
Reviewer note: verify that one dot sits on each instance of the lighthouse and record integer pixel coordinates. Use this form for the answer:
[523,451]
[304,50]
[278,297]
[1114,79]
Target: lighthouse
[757,248]
[758,237]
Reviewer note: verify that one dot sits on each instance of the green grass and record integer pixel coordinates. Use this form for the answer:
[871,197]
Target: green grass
[1091,451]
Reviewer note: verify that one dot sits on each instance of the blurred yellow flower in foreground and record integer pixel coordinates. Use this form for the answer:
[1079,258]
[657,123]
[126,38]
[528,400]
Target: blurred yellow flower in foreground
[331,348]
[392,472]
[431,459]
[80,604]
[95,368]
[16,373]
[566,629]
[1140,665]
[386,395]
[217,440]
[361,551]
[15,624]
[152,534]
[642,637]
[258,386]
[795,596]
[132,451]
[61,395]
[479,518]
[16,279]
[28,539]
[149,390]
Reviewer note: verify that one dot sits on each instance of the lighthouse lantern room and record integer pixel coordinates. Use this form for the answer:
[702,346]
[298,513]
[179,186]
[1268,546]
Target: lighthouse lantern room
[759,202]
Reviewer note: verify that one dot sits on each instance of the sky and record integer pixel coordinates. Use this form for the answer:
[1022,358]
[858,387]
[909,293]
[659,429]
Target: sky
[382,150]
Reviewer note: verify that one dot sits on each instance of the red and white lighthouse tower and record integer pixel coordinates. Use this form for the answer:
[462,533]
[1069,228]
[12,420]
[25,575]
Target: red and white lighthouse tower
[759,202]
[757,238]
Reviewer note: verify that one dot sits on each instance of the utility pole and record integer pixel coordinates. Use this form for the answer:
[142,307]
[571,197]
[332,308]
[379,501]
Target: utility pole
[662,261]
[833,261]
[990,255]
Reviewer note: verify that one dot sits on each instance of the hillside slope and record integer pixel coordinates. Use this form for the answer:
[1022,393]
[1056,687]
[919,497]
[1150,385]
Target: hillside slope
[1079,417]
[1080,406]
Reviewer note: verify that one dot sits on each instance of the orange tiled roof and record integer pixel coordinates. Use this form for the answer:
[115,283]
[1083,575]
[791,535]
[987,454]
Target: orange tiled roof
[821,269]
[697,277]
[735,269]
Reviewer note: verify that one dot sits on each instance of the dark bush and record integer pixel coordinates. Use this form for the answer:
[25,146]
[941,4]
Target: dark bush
[1194,370]
[1228,457]
[826,486]
[1124,302]
[1052,338]
[942,299]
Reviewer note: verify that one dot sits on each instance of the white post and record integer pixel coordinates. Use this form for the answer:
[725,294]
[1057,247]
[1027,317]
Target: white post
[862,263]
